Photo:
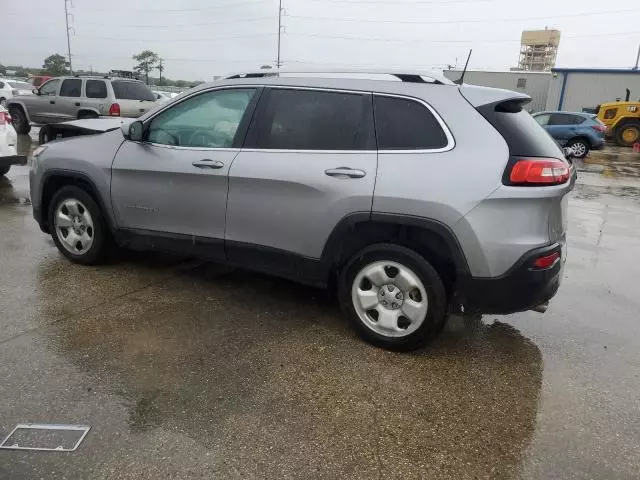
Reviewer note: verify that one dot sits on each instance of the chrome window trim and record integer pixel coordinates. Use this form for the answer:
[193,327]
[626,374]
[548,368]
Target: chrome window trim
[451,143]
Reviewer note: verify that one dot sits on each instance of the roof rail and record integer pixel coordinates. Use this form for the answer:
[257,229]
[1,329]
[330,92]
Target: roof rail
[404,76]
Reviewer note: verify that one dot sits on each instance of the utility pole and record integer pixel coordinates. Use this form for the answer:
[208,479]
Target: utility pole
[637,59]
[160,69]
[66,19]
[278,63]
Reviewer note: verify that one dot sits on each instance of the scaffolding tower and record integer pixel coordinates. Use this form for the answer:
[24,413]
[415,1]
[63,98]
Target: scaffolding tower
[538,50]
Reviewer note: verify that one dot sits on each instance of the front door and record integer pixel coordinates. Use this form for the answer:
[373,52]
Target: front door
[309,161]
[174,184]
[41,106]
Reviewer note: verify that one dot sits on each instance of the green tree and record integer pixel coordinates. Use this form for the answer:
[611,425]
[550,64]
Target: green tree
[56,65]
[3,70]
[147,61]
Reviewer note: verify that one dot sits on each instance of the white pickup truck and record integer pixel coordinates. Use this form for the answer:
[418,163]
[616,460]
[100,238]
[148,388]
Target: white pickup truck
[8,144]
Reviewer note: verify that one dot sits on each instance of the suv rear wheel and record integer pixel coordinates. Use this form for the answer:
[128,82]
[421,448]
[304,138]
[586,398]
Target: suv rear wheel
[77,226]
[393,297]
[580,147]
[628,134]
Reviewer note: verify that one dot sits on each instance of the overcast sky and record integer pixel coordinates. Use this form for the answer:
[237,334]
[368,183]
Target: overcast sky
[202,38]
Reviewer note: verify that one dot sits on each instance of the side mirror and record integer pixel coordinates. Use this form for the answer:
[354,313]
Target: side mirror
[36,91]
[133,131]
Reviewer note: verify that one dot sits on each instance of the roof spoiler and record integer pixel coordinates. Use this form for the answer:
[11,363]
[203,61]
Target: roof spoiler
[478,96]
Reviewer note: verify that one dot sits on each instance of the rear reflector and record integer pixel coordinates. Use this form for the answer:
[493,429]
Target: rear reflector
[546,261]
[539,171]
[114,110]
[4,118]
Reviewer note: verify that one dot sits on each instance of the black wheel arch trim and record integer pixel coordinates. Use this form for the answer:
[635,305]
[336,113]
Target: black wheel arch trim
[108,218]
[334,242]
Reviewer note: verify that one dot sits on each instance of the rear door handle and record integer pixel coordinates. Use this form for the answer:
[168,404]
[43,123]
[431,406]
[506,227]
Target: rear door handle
[345,172]
[77,104]
[52,101]
[208,163]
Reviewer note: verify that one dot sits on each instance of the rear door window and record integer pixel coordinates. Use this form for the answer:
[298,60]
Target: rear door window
[127,90]
[292,119]
[71,87]
[96,89]
[405,124]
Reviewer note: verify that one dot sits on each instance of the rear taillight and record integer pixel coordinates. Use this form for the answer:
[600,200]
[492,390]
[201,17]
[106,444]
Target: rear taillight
[114,110]
[599,128]
[15,93]
[538,171]
[546,261]
[4,118]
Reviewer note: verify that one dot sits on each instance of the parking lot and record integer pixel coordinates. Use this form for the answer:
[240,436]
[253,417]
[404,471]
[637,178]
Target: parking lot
[185,369]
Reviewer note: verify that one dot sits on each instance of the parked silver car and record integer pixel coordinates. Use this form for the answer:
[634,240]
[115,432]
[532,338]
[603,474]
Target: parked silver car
[408,195]
[69,98]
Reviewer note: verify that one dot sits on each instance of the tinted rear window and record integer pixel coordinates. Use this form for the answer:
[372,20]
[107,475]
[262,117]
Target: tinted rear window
[524,136]
[313,120]
[132,91]
[96,89]
[404,124]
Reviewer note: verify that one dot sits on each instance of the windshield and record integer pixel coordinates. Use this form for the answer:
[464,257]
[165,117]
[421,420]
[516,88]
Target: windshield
[126,90]
[20,85]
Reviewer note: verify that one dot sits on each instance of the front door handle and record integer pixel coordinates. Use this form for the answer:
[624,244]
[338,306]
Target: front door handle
[345,172]
[208,163]
[52,101]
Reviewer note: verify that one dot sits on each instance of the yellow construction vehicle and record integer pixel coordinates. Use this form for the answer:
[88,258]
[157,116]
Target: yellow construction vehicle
[622,120]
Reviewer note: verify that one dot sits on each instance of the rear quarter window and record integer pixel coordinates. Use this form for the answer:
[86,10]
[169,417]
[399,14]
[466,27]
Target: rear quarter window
[96,89]
[127,90]
[524,136]
[405,124]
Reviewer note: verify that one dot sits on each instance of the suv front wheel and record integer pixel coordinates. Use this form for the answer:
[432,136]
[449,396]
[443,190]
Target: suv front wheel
[394,298]
[77,226]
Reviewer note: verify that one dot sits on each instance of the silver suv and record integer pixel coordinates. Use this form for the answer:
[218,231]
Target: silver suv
[69,98]
[408,195]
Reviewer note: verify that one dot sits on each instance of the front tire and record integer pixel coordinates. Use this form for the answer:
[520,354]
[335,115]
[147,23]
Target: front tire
[77,226]
[20,122]
[393,297]
[580,147]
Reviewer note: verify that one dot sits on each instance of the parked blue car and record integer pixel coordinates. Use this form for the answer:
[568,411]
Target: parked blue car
[582,131]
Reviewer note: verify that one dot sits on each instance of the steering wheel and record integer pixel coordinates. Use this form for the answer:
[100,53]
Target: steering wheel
[163,137]
[206,138]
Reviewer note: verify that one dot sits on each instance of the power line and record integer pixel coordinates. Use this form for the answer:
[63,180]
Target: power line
[173,25]
[178,10]
[420,21]
[119,39]
[444,42]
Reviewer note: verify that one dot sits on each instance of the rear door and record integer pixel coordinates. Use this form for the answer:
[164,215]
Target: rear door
[95,96]
[41,107]
[68,101]
[309,160]
[134,97]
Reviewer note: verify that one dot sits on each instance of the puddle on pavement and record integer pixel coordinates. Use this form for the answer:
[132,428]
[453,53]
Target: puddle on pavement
[9,196]
[612,162]
[589,192]
[267,375]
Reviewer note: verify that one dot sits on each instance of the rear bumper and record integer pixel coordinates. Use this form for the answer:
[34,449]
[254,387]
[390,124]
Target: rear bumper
[520,289]
[13,160]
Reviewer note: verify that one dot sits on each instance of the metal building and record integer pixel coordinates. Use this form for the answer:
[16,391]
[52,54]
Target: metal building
[534,84]
[583,89]
[538,50]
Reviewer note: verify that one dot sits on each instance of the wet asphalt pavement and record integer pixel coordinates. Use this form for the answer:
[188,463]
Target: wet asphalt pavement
[186,369]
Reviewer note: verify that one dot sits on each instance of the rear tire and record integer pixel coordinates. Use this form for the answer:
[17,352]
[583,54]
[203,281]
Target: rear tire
[77,226]
[628,134]
[3,102]
[4,170]
[85,115]
[45,135]
[580,146]
[416,300]
[20,122]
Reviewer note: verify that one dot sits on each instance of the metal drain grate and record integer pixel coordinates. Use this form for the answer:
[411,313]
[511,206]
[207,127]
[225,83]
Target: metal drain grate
[45,437]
